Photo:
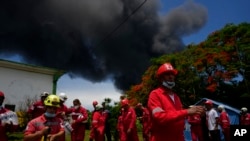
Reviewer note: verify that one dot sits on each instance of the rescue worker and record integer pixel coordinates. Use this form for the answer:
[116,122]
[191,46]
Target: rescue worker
[146,122]
[38,108]
[224,122]
[128,118]
[119,127]
[6,124]
[79,117]
[62,111]
[212,121]
[165,107]
[106,113]
[46,127]
[244,116]
[98,124]
[91,134]
[195,127]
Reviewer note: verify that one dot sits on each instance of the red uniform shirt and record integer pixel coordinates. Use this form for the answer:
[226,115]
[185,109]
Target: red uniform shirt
[146,122]
[129,122]
[245,119]
[80,115]
[37,109]
[62,109]
[168,117]
[224,120]
[40,122]
[98,124]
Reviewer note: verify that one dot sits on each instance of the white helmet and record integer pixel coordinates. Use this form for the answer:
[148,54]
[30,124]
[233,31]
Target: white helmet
[244,109]
[63,97]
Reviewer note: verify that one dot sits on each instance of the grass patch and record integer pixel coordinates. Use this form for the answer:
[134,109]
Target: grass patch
[18,136]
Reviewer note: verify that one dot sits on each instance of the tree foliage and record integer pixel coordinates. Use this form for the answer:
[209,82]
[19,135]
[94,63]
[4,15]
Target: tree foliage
[217,68]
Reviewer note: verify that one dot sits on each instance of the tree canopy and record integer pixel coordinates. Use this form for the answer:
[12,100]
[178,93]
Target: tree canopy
[217,68]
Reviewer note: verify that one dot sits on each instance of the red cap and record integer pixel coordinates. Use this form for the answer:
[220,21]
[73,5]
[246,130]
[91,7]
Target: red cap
[95,103]
[209,102]
[124,102]
[1,94]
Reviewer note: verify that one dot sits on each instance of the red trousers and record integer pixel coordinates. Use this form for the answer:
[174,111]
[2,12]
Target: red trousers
[226,133]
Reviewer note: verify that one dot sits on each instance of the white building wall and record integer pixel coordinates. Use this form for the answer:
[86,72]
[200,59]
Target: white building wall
[16,84]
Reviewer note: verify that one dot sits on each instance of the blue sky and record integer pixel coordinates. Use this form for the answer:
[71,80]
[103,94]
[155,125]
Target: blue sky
[220,12]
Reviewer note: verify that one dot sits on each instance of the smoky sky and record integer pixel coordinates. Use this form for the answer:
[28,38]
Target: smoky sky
[96,39]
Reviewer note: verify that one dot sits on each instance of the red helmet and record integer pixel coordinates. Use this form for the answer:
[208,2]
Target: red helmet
[139,104]
[1,94]
[95,103]
[209,102]
[164,68]
[124,102]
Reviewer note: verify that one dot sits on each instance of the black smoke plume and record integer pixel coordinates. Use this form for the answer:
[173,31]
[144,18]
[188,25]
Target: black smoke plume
[96,39]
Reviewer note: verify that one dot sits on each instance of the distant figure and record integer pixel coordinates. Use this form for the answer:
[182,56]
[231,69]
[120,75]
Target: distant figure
[46,127]
[92,134]
[145,121]
[128,119]
[224,122]
[196,127]
[79,119]
[106,113]
[6,123]
[38,108]
[98,124]
[244,116]
[212,121]
[120,128]
[62,111]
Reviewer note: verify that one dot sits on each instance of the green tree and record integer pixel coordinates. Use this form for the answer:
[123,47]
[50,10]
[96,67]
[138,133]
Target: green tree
[217,68]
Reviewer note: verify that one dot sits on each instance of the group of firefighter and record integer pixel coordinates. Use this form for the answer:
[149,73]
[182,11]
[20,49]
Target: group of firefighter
[163,118]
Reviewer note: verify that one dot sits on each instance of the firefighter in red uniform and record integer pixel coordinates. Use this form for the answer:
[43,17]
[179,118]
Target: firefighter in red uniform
[37,108]
[224,122]
[129,121]
[92,135]
[244,117]
[62,111]
[145,120]
[167,114]
[119,127]
[196,127]
[79,119]
[98,124]
[46,127]
[5,125]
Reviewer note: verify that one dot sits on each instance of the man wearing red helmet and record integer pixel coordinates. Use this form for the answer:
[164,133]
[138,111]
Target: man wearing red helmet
[212,121]
[6,124]
[92,134]
[128,118]
[165,107]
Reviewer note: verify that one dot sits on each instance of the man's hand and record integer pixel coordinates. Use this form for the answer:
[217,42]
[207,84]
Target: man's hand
[196,110]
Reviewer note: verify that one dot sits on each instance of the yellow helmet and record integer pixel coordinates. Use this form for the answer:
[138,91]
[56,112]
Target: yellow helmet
[52,100]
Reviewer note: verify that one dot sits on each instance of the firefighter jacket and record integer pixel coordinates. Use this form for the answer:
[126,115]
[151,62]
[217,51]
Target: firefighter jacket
[80,117]
[129,122]
[37,124]
[224,120]
[36,109]
[167,116]
[245,119]
[98,124]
